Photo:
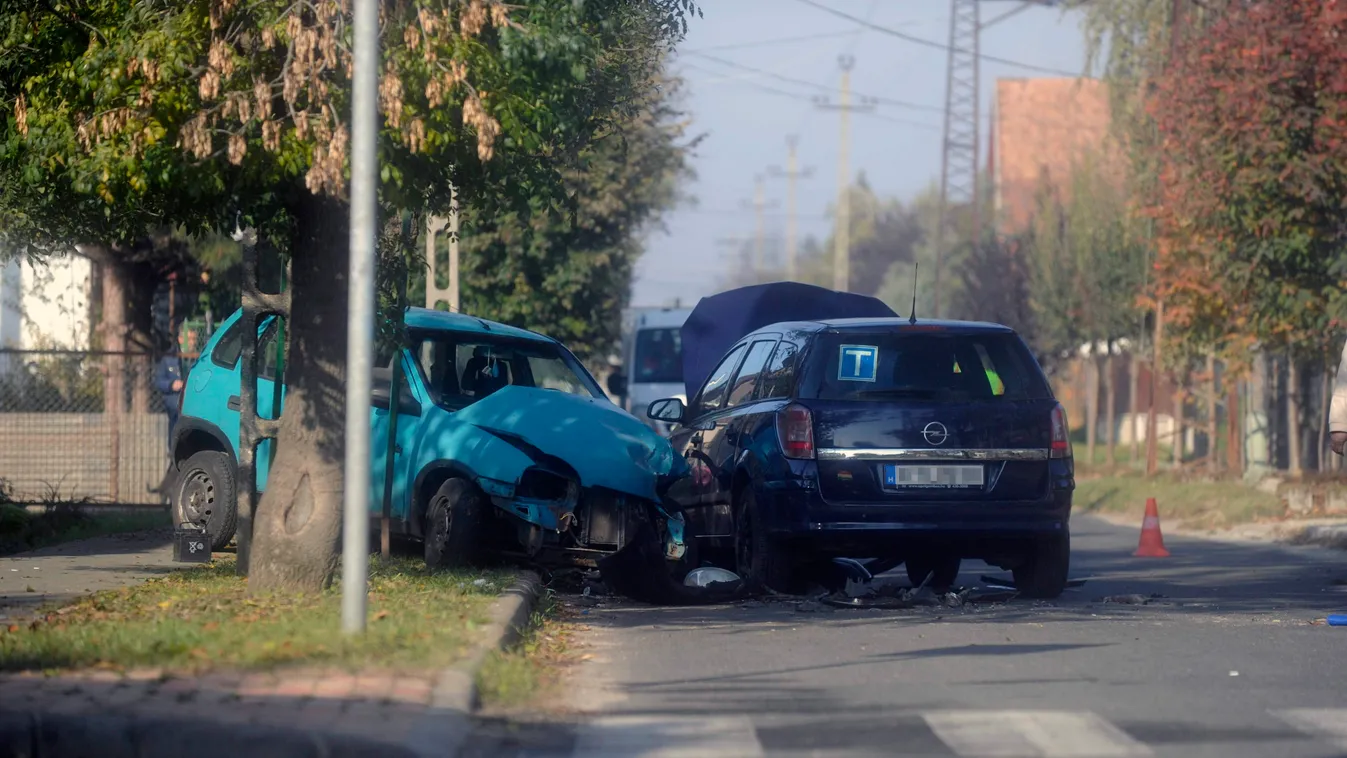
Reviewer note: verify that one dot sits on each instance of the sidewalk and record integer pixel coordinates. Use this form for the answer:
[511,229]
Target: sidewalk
[61,573]
[146,713]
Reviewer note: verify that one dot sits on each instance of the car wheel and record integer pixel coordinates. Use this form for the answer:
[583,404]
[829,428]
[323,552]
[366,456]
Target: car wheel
[946,572]
[205,495]
[758,559]
[452,525]
[1043,575]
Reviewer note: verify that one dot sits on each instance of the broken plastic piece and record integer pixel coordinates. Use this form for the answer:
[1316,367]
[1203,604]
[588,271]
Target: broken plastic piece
[1010,583]
[1337,619]
[855,570]
[708,575]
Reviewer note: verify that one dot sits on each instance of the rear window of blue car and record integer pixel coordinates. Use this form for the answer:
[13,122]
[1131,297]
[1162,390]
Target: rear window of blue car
[924,365]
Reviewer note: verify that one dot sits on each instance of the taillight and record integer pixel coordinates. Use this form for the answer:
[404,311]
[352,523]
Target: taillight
[1061,434]
[795,427]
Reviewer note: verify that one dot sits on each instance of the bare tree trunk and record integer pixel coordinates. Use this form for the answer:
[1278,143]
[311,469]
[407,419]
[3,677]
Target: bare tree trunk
[1293,441]
[1213,462]
[1134,376]
[1091,405]
[1110,408]
[297,528]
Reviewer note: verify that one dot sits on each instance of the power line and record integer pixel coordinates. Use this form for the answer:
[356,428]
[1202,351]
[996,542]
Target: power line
[771,42]
[932,43]
[816,85]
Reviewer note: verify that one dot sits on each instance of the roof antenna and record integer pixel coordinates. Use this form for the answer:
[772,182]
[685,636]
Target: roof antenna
[913,318]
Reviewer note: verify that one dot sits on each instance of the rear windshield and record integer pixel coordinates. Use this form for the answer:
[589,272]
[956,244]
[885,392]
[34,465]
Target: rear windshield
[938,367]
[659,356]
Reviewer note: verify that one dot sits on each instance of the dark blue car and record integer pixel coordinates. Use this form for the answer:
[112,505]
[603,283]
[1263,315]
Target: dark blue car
[916,442]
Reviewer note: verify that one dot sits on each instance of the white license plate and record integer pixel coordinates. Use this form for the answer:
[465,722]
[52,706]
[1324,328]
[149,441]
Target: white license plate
[933,477]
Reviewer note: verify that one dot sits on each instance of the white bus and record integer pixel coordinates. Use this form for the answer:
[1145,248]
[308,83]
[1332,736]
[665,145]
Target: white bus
[652,360]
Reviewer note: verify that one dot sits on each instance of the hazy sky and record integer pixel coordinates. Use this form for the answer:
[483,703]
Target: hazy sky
[746,115]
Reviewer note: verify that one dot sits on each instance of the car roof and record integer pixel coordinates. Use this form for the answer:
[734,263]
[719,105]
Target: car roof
[434,320]
[895,324]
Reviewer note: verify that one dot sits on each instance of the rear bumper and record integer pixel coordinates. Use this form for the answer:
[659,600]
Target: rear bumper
[797,513]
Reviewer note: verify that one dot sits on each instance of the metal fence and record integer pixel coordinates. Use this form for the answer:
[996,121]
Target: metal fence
[84,426]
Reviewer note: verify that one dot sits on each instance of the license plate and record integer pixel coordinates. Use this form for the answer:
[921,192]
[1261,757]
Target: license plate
[933,477]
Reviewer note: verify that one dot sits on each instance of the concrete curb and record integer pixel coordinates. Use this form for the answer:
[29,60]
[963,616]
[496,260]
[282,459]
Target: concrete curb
[456,686]
[54,734]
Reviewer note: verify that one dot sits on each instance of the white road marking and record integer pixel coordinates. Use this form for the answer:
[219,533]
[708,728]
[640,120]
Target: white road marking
[668,737]
[1328,723]
[1032,734]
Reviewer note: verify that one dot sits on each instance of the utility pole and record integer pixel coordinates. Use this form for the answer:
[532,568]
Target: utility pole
[842,225]
[759,206]
[792,173]
[436,294]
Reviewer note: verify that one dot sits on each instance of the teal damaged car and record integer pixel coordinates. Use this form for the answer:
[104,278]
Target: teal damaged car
[504,447]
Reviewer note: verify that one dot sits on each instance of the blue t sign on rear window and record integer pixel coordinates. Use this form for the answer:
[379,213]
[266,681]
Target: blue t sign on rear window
[858,363]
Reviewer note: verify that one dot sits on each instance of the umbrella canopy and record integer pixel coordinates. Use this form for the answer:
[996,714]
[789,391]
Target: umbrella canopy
[720,320]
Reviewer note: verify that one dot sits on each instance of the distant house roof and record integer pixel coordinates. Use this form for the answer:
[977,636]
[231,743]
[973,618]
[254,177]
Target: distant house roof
[1041,128]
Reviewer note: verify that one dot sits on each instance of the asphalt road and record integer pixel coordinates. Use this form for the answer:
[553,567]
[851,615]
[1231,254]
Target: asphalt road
[1225,663]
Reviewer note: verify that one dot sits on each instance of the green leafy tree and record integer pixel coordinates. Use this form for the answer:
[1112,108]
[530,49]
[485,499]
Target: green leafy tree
[205,114]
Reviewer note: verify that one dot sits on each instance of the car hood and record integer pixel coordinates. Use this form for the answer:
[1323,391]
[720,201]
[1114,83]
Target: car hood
[606,446]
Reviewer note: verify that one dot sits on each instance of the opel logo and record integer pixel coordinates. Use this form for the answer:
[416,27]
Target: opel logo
[935,433]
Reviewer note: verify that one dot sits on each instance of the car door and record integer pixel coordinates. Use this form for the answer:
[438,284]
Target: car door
[724,449]
[704,422]
[410,408]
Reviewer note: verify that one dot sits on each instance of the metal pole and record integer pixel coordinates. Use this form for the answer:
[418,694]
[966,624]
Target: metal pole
[791,173]
[453,250]
[760,232]
[360,318]
[842,235]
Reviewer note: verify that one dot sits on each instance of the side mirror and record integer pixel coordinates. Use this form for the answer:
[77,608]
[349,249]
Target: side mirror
[381,396]
[617,384]
[670,410]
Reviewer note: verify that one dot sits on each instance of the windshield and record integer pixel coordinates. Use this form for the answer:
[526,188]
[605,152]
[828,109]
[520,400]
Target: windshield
[461,369]
[659,356]
[990,366]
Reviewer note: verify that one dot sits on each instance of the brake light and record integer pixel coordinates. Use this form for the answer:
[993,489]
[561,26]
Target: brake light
[1061,434]
[795,427]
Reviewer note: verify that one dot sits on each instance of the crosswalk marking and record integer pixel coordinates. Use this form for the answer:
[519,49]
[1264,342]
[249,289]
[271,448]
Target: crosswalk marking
[1032,734]
[1328,723]
[668,737]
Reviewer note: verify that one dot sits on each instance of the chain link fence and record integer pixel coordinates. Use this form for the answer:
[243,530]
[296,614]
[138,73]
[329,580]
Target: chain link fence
[79,426]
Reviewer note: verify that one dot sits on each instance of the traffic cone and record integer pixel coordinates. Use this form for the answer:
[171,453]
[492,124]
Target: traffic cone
[1152,543]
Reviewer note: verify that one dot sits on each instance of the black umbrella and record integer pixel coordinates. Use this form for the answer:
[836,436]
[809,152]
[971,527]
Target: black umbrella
[720,320]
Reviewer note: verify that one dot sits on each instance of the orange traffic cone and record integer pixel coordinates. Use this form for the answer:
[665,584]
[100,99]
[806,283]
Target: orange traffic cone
[1152,543]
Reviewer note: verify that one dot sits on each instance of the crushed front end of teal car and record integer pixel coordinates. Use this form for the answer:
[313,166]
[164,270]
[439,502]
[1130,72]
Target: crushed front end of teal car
[503,447]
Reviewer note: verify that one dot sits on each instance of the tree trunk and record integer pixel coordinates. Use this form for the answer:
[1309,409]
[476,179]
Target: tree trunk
[1110,409]
[1326,455]
[1134,377]
[1177,440]
[1091,405]
[1293,441]
[1234,429]
[297,528]
[1212,461]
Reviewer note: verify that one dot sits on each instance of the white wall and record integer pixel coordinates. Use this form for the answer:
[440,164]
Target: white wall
[54,303]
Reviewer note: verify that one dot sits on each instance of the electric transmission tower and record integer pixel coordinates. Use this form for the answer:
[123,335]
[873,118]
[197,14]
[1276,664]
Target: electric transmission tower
[960,178]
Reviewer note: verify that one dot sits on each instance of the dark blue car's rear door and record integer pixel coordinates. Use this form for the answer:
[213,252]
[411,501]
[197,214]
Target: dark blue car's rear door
[924,416]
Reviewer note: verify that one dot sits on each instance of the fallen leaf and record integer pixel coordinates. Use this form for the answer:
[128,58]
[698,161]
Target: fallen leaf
[210,626]
[165,603]
[381,615]
[13,627]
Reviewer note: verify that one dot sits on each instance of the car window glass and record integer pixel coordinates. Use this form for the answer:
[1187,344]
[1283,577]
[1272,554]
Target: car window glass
[461,369]
[747,378]
[659,356]
[267,355]
[713,393]
[779,376]
[227,350]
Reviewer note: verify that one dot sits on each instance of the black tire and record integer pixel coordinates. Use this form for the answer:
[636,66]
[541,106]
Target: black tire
[946,571]
[758,559]
[205,493]
[452,527]
[1043,575]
